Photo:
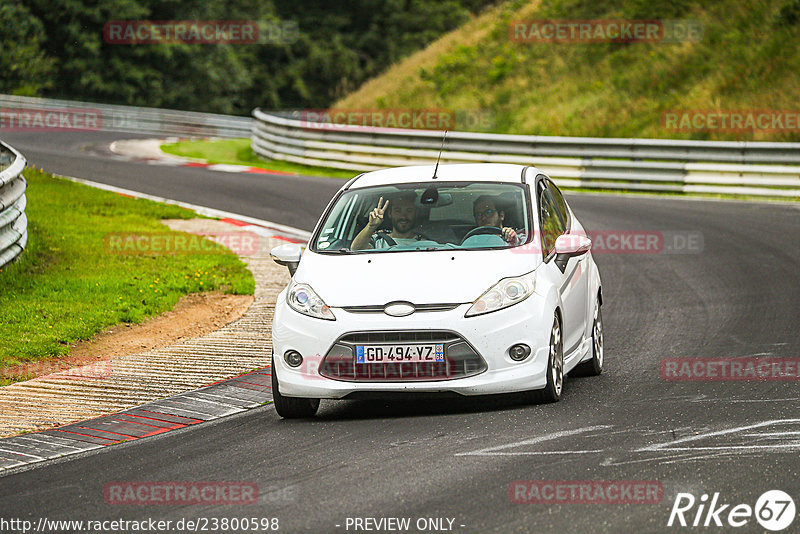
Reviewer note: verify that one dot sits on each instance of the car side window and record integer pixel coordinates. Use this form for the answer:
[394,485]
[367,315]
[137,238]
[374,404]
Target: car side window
[560,203]
[551,223]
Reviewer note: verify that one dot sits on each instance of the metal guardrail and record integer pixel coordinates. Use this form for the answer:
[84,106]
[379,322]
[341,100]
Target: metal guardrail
[29,113]
[13,223]
[727,167]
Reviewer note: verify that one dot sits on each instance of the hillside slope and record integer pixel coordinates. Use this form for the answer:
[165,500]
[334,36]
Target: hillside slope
[747,59]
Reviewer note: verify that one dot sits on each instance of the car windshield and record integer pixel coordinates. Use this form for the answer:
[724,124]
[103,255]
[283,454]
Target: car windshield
[413,217]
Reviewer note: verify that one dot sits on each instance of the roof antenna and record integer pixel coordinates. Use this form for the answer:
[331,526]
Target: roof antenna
[435,169]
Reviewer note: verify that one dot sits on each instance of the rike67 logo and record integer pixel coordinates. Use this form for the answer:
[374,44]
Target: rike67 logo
[774,510]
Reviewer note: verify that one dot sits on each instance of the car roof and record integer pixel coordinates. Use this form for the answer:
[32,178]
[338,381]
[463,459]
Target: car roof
[464,172]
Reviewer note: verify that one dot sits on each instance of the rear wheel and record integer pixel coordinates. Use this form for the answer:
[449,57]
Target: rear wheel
[555,368]
[291,407]
[594,366]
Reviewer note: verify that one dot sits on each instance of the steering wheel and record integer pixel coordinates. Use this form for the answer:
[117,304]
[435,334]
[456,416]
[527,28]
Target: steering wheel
[483,230]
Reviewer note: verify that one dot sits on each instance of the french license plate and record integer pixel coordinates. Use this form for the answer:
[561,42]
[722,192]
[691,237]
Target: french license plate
[433,352]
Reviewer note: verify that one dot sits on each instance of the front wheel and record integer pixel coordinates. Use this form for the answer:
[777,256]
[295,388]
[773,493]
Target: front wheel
[555,368]
[291,407]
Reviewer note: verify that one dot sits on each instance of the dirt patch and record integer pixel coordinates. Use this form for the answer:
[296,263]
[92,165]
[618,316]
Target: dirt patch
[194,315]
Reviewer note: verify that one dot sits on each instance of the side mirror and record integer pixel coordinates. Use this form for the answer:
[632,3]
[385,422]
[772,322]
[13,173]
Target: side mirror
[569,245]
[288,255]
[573,244]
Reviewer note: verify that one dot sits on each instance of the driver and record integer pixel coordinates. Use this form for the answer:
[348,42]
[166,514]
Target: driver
[403,214]
[486,214]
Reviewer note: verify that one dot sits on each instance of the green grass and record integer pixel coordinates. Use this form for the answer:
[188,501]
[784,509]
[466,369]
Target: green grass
[239,152]
[747,59]
[69,284]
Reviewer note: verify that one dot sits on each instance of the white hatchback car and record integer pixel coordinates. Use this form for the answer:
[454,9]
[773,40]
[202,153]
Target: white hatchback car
[473,279]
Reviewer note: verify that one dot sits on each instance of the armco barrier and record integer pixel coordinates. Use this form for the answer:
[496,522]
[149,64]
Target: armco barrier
[13,223]
[658,165]
[29,113]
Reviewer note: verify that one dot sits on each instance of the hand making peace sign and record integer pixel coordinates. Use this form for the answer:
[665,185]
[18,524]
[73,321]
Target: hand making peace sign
[376,215]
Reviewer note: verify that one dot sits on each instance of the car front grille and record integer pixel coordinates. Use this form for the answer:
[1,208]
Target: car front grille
[461,360]
[417,308]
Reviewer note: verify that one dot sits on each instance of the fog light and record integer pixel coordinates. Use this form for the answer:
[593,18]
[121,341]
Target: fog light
[519,352]
[293,358]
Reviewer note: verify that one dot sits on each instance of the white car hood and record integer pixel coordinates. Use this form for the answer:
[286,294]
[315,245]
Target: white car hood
[441,277]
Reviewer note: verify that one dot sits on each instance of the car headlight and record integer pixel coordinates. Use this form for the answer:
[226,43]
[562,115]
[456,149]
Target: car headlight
[302,299]
[505,293]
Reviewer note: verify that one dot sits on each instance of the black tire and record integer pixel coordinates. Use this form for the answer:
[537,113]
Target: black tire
[555,368]
[594,366]
[291,407]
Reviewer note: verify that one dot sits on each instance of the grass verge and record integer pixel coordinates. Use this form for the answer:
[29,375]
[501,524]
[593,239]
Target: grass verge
[239,152]
[743,58]
[70,283]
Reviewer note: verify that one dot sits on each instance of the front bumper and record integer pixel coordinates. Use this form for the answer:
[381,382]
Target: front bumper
[491,335]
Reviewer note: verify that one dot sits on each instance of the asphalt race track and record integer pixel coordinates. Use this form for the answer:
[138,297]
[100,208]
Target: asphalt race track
[735,295]
[270,197]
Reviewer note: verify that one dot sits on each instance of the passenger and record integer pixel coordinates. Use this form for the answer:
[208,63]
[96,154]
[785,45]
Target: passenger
[487,214]
[403,214]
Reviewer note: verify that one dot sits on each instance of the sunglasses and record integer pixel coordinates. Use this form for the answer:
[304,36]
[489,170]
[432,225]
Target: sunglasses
[484,213]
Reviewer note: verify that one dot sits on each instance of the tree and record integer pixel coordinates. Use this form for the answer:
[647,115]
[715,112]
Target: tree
[25,69]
